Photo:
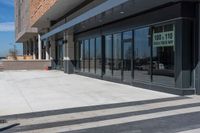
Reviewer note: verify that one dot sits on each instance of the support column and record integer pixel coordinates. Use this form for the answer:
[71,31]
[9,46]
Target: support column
[30,47]
[53,51]
[34,50]
[39,48]
[24,49]
[69,51]
[183,54]
[197,48]
[46,49]
[27,48]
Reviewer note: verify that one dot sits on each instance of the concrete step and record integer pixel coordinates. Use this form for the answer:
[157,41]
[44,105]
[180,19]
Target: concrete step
[4,125]
[70,120]
[104,112]
[111,122]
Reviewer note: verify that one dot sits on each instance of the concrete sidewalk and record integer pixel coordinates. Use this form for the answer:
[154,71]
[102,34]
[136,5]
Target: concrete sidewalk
[34,91]
[165,115]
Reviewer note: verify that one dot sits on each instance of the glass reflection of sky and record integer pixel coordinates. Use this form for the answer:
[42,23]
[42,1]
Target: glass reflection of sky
[127,38]
[141,42]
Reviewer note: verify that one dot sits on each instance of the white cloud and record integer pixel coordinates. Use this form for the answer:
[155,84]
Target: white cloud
[7,26]
[7,2]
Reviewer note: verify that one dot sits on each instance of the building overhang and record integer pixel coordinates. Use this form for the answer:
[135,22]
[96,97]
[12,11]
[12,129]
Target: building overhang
[140,6]
[59,9]
[24,36]
[109,4]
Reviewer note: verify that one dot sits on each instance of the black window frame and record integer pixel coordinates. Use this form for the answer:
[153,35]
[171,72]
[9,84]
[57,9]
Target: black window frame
[102,36]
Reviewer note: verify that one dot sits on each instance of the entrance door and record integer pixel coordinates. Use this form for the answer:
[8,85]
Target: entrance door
[127,56]
[59,55]
[142,55]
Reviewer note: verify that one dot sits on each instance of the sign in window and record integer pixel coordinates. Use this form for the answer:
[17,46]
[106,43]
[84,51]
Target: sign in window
[164,36]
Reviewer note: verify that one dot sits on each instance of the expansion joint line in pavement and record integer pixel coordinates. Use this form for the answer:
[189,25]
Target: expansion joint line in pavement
[21,93]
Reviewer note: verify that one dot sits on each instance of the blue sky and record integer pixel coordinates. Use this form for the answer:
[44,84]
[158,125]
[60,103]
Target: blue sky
[7,33]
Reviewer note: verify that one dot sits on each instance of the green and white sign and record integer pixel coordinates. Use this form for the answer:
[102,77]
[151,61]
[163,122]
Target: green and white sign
[164,39]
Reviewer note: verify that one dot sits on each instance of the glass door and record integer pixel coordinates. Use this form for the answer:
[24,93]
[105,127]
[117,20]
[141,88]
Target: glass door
[98,55]
[59,55]
[142,55]
[127,56]
[108,55]
[117,56]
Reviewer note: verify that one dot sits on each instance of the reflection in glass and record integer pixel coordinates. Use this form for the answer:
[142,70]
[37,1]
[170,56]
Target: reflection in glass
[98,56]
[78,55]
[108,55]
[82,56]
[142,55]
[59,54]
[117,56]
[163,56]
[127,56]
[86,56]
[92,55]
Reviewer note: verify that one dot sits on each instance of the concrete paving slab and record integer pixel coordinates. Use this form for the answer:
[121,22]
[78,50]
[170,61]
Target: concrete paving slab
[34,91]
[167,105]
[191,131]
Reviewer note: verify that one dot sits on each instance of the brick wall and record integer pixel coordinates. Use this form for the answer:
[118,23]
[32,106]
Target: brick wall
[25,65]
[22,20]
[39,8]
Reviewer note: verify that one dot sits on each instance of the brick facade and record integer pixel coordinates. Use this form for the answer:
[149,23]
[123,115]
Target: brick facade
[22,20]
[39,8]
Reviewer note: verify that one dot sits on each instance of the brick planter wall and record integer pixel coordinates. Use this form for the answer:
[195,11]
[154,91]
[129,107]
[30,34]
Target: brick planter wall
[26,65]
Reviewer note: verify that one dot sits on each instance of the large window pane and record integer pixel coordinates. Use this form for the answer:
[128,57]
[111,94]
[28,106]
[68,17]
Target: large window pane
[59,54]
[78,44]
[127,56]
[82,56]
[92,55]
[87,56]
[163,54]
[142,55]
[108,55]
[98,56]
[117,56]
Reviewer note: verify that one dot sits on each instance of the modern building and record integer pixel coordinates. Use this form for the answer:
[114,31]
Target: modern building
[26,34]
[152,44]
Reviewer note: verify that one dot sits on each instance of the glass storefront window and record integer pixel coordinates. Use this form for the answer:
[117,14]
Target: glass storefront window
[108,55]
[87,56]
[78,54]
[82,56]
[132,56]
[117,56]
[59,54]
[127,56]
[92,55]
[142,55]
[163,54]
[98,56]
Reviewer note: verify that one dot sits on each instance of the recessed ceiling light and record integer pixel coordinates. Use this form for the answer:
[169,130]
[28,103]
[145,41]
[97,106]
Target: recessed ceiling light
[122,12]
